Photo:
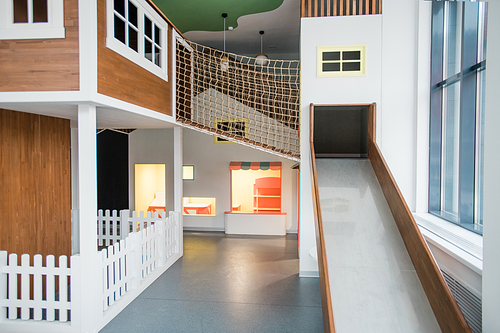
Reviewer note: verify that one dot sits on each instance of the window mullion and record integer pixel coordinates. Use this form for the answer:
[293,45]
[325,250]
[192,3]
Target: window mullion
[468,115]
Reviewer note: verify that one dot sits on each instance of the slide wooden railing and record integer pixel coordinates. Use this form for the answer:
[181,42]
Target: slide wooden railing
[445,308]
[320,8]
[324,280]
[448,315]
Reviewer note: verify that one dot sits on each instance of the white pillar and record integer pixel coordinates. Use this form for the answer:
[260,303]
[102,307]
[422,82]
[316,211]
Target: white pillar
[491,234]
[178,183]
[91,284]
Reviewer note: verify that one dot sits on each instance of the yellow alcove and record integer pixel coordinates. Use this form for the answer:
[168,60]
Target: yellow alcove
[149,184]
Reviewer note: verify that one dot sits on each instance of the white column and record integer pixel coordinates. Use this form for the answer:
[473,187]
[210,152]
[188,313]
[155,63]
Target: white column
[178,183]
[91,285]
[491,234]
[308,267]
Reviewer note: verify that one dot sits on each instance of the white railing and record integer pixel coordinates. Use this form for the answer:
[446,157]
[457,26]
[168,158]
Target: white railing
[31,293]
[35,291]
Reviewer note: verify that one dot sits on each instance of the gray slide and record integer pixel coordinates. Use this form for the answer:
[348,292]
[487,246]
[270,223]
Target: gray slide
[373,283]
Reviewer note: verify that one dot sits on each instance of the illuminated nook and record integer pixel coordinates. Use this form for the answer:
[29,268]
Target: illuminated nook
[198,206]
[150,187]
[255,199]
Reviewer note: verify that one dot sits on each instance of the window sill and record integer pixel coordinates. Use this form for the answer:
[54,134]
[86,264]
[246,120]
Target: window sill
[463,245]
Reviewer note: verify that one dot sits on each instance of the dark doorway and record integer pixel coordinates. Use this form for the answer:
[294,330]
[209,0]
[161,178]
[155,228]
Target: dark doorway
[341,131]
[112,170]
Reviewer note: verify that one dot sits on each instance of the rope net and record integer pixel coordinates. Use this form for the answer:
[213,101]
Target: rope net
[239,98]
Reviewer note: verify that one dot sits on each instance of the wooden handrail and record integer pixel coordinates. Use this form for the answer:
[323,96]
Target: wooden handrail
[448,315]
[324,280]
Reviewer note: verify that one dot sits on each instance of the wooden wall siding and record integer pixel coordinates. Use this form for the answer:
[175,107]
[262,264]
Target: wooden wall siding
[43,64]
[444,305]
[35,184]
[122,79]
[320,8]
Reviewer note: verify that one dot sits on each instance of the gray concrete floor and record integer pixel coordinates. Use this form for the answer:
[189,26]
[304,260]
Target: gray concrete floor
[228,283]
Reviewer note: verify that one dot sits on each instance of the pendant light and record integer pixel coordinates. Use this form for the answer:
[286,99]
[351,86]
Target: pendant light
[224,61]
[261,58]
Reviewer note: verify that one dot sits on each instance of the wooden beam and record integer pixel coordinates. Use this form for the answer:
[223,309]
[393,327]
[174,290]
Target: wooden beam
[303,8]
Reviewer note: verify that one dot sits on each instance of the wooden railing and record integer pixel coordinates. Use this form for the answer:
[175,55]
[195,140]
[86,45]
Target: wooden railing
[443,303]
[324,280]
[320,8]
[445,308]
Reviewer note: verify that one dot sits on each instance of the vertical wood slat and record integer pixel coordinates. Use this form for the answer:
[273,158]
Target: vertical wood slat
[318,8]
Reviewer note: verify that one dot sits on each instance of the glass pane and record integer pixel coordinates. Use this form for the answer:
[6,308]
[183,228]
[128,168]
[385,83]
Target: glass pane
[450,154]
[20,11]
[157,57]
[132,39]
[453,38]
[331,56]
[148,49]
[480,149]
[40,11]
[351,66]
[157,35]
[331,67]
[119,29]
[147,27]
[132,14]
[120,7]
[351,55]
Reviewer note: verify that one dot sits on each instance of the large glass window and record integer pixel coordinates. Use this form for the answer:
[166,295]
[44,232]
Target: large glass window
[457,112]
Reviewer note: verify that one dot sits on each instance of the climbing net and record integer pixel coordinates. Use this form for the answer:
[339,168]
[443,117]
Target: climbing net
[239,98]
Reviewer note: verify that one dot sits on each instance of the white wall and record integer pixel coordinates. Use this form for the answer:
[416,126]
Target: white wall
[212,178]
[491,245]
[332,31]
[152,146]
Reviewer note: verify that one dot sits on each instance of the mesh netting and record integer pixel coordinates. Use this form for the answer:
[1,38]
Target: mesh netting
[238,98]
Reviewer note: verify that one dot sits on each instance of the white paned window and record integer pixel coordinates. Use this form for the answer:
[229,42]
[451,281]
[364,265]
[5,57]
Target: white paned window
[31,19]
[138,33]
[341,60]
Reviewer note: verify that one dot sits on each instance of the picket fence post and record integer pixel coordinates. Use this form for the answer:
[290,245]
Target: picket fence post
[124,224]
[161,239]
[136,259]
[75,286]
[3,284]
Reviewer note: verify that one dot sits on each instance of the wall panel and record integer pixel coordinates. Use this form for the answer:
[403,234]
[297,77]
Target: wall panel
[120,78]
[43,64]
[35,185]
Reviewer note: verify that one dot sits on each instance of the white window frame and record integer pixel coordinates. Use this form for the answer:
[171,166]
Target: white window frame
[319,61]
[54,28]
[138,57]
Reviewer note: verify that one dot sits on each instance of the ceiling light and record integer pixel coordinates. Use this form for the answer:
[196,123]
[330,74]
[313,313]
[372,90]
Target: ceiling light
[224,61]
[261,58]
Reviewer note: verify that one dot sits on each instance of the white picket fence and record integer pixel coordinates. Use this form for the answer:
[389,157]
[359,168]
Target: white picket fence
[35,291]
[127,262]
[143,247]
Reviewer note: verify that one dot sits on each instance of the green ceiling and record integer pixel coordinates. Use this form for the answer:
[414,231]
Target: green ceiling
[206,15]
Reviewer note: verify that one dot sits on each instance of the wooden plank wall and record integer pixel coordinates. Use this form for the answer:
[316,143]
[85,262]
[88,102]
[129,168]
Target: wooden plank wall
[120,78]
[35,184]
[443,304]
[43,64]
[321,8]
